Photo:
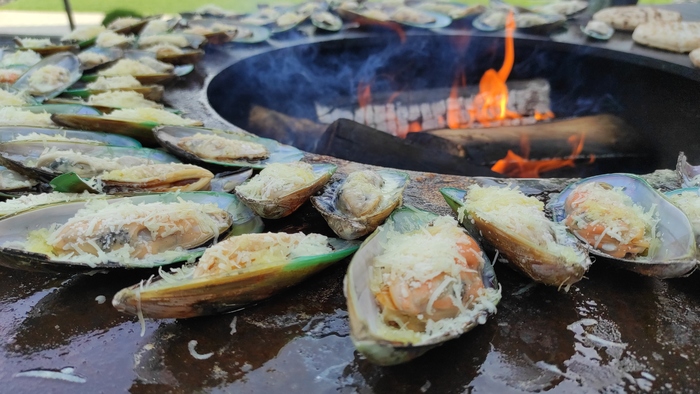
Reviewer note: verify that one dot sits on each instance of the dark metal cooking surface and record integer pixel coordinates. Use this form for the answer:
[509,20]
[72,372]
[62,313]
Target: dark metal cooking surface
[614,331]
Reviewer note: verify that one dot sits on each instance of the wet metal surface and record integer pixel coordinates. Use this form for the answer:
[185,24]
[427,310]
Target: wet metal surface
[614,331]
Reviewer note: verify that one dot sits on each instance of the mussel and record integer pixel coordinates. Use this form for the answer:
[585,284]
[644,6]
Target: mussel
[598,30]
[40,115]
[25,58]
[224,148]
[97,56]
[45,162]
[51,76]
[128,25]
[516,226]
[37,134]
[29,202]
[689,174]
[622,218]
[12,183]
[44,46]
[132,232]
[280,188]
[232,274]
[326,21]
[418,281]
[122,83]
[357,205]
[688,200]
[145,178]
[83,36]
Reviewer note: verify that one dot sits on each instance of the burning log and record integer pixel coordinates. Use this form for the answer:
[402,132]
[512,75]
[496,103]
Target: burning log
[349,140]
[436,108]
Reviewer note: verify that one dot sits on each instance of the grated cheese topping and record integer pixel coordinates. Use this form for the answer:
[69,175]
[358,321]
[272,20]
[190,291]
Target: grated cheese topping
[212,146]
[123,22]
[165,50]
[84,33]
[15,116]
[10,75]
[256,249]
[160,116]
[153,27]
[9,98]
[34,42]
[519,214]
[29,201]
[130,234]
[173,39]
[11,180]
[115,82]
[48,78]
[92,59]
[26,58]
[56,137]
[159,66]
[361,193]
[278,179]
[127,67]
[109,38]
[122,99]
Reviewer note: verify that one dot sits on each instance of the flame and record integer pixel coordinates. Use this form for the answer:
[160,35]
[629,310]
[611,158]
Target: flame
[516,166]
[414,126]
[364,94]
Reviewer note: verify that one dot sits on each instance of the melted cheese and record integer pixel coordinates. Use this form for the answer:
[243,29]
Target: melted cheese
[152,171]
[212,146]
[151,115]
[516,213]
[278,179]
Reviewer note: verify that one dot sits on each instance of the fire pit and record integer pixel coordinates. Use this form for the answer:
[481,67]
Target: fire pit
[613,331]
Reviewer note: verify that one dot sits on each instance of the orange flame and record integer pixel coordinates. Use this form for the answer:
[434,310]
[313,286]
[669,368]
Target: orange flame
[364,94]
[516,166]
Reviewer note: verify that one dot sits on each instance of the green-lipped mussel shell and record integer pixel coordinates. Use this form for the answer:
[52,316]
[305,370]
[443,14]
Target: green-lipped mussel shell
[694,220]
[19,155]
[17,228]
[259,34]
[596,35]
[282,206]
[11,133]
[66,60]
[223,293]
[440,21]
[51,49]
[535,261]
[152,92]
[188,57]
[327,21]
[674,257]
[363,311]
[112,54]
[140,131]
[168,137]
[550,22]
[38,203]
[22,186]
[347,226]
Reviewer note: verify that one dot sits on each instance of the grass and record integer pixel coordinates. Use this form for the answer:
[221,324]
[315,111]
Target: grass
[148,7]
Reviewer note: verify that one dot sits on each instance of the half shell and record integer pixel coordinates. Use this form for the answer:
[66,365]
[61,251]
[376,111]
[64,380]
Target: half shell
[33,159]
[672,252]
[49,49]
[182,296]
[171,136]
[551,256]
[54,86]
[37,134]
[14,254]
[350,226]
[367,329]
[287,202]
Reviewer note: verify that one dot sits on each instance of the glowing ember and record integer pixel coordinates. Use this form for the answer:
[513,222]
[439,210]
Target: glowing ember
[516,166]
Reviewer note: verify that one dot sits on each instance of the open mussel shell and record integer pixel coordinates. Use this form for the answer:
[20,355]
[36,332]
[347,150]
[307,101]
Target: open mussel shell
[193,40]
[364,313]
[16,230]
[251,34]
[284,205]
[328,21]
[106,57]
[691,196]
[187,57]
[174,178]
[598,30]
[491,20]
[532,23]
[169,136]
[152,92]
[535,261]
[227,181]
[348,226]
[22,156]
[456,11]
[140,131]
[32,202]
[38,134]
[66,60]
[690,175]
[13,184]
[50,49]
[134,28]
[188,297]
[439,20]
[55,109]
[675,255]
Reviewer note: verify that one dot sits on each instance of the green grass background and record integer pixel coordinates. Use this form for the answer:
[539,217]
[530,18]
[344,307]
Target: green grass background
[148,7]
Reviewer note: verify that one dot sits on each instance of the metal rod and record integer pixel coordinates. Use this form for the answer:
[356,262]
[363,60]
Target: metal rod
[69,12]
